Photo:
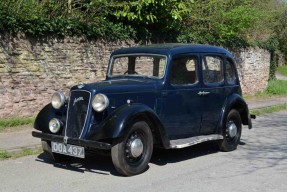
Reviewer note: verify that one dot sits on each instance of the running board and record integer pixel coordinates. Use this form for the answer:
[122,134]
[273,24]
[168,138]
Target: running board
[186,142]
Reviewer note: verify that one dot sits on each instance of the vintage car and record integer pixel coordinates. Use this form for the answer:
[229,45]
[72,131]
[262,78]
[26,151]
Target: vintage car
[165,95]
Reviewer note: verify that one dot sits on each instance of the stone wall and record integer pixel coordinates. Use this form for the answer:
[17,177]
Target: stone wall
[32,70]
[253,68]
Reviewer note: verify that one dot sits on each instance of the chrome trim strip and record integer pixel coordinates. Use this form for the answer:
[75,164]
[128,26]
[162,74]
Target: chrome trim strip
[86,114]
[181,143]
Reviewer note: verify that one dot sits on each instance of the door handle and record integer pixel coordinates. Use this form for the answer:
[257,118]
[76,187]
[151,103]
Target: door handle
[202,93]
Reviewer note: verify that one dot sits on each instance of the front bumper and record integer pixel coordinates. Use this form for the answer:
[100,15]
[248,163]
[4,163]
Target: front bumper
[73,141]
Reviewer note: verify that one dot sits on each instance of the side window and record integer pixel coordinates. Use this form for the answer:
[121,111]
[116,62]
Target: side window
[230,72]
[212,69]
[184,70]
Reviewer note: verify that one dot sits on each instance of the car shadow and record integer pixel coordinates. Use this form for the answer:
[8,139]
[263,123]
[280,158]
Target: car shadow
[162,156]
[102,164]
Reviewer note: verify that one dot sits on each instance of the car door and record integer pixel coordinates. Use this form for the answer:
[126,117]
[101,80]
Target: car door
[181,113]
[213,91]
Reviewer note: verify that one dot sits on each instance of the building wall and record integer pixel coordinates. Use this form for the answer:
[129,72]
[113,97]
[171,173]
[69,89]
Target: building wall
[32,70]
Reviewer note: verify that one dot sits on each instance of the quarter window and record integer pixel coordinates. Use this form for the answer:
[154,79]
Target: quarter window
[230,72]
[212,69]
[184,70]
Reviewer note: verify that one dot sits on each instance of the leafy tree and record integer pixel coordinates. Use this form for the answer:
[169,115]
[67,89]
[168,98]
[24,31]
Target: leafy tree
[281,31]
[222,21]
[145,12]
[159,18]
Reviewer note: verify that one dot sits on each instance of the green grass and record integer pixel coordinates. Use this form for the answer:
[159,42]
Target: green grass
[274,88]
[267,110]
[5,123]
[4,154]
[22,153]
[277,87]
[282,70]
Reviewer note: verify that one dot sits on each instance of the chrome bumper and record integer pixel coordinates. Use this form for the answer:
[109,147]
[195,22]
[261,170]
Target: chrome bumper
[66,140]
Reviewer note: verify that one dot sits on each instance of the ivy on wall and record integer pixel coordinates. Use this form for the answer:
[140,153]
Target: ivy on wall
[272,45]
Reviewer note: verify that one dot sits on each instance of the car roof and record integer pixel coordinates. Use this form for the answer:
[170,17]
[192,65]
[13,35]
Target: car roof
[173,49]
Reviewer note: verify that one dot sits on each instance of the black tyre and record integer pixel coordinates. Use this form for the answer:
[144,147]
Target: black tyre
[46,145]
[231,132]
[132,154]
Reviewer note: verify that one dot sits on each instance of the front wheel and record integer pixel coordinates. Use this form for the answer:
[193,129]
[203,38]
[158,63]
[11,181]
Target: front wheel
[132,154]
[231,132]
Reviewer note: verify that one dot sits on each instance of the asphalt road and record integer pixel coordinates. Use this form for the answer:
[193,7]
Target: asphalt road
[259,164]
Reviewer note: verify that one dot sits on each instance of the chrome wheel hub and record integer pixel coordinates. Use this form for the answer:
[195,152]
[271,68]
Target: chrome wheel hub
[231,129]
[136,148]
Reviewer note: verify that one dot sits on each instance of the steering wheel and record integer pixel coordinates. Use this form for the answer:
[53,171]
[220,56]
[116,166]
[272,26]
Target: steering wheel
[131,72]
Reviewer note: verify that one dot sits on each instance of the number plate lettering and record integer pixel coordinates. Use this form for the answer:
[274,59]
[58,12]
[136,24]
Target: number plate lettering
[70,150]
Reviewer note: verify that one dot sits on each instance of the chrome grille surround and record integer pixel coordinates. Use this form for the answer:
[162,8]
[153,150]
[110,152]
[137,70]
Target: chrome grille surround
[77,113]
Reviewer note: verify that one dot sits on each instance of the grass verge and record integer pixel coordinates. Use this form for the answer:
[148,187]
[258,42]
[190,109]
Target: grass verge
[6,123]
[22,153]
[267,110]
[282,70]
[276,88]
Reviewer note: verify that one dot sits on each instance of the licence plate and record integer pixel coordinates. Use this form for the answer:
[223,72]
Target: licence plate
[71,150]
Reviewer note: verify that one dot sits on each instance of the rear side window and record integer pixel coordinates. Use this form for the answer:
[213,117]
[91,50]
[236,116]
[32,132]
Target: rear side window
[212,69]
[230,72]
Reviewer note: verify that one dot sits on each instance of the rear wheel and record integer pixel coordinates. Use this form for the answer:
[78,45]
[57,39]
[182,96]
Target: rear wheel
[132,154]
[46,145]
[231,131]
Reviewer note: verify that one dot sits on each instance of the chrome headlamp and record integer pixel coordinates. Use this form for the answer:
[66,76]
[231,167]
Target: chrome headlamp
[55,125]
[100,102]
[58,100]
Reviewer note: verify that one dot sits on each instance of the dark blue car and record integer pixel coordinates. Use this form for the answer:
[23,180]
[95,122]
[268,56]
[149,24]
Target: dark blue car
[166,95]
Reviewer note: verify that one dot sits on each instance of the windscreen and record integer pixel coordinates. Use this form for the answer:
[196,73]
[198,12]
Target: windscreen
[152,66]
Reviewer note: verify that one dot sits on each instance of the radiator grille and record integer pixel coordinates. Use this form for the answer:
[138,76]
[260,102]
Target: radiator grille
[77,113]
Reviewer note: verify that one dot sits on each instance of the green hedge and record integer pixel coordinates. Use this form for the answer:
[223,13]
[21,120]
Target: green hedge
[227,23]
[41,18]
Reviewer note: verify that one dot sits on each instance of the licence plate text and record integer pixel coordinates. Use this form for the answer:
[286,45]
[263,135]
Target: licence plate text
[71,150]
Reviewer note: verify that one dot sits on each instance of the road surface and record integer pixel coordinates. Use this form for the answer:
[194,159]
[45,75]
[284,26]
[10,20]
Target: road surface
[259,164]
